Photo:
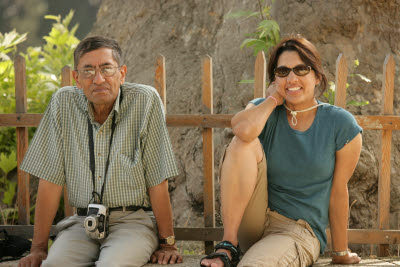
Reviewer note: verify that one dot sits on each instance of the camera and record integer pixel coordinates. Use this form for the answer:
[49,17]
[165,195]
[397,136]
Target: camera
[96,222]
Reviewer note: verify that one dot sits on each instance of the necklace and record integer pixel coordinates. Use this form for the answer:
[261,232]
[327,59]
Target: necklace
[294,112]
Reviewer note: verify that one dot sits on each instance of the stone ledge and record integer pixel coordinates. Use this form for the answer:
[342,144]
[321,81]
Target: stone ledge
[193,261]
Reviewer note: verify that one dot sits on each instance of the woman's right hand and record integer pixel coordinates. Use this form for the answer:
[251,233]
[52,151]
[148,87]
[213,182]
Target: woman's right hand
[274,91]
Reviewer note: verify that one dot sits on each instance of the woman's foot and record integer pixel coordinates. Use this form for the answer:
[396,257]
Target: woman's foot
[216,262]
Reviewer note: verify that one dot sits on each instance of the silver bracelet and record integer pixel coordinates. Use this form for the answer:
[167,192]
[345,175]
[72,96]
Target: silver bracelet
[340,253]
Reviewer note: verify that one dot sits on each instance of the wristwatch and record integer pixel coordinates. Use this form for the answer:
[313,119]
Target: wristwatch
[170,240]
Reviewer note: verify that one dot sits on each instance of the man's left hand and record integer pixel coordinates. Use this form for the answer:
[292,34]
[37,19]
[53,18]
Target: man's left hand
[166,254]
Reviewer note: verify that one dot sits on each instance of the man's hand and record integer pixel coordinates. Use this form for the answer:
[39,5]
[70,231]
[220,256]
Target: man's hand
[349,258]
[166,254]
[34,259]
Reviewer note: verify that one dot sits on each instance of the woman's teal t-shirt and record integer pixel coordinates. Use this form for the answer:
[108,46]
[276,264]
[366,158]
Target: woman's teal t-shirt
[300,165]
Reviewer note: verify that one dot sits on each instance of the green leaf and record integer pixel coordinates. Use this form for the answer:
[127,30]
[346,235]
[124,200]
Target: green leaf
[246,81]
[365,79]
[67,20]
[9,193]
[356,63]
[56,18]
[242,13]
[251,42]
[8,163]
[357,103]
[269,25]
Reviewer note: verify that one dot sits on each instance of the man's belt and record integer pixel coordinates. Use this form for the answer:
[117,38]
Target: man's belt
[83,211]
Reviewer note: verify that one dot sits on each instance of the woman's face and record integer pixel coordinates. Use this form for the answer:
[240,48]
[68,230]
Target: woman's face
[298,91]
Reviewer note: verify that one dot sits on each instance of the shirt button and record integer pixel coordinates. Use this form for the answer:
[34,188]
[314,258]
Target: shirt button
[99,154]
[99,177]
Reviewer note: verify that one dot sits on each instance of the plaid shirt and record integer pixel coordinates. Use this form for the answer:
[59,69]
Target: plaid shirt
[141,152]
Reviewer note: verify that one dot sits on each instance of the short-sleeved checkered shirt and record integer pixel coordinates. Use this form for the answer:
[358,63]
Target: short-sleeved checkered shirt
[141,152]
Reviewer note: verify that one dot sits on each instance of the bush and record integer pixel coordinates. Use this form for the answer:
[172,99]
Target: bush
[43,74]
[43,71]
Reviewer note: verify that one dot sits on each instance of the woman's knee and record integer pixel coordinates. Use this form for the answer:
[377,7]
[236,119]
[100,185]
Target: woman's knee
[240,149]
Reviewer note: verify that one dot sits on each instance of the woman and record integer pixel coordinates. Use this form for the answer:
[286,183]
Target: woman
[311,148]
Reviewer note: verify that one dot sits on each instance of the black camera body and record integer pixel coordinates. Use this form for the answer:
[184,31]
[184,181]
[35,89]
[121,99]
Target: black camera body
[96,222]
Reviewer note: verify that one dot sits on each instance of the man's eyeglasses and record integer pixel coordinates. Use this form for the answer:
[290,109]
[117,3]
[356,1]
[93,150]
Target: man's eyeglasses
[300,70]
[105,71]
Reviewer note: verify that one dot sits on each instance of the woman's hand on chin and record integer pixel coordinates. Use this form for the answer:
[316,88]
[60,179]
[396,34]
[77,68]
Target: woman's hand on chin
[276,92]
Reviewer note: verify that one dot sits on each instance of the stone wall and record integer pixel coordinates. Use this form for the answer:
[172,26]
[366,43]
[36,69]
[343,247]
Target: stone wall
[186,31]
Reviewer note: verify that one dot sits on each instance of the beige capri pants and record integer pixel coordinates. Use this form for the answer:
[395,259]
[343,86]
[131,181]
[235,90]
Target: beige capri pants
[131,241]
[271,239]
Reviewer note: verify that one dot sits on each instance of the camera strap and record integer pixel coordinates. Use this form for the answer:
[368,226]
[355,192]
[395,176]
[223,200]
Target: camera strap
[92,160]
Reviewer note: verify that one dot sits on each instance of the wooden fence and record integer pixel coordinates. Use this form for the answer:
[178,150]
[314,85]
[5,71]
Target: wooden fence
[385,123]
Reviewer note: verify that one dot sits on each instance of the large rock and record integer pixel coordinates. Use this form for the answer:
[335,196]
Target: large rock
[185,31]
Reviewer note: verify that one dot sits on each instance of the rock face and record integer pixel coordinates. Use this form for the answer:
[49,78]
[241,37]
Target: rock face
[185,31]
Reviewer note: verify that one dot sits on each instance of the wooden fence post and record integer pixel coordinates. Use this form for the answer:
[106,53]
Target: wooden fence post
[260,72]
[22,141]
[208,151]
[384,167]
[160,80]
[66,80]
[341,81]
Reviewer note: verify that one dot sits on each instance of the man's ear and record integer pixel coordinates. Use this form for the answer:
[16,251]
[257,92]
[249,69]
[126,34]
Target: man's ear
[75,74]
[123,70]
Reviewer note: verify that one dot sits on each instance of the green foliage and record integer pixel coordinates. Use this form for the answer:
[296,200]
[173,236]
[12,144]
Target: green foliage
[43,65]
[8,163]
[8,188]
[189,252]
[329,94]
[9,193]
[265,36]
[267,33]
[8,46]
[9,42]
[43,78]
[43,71]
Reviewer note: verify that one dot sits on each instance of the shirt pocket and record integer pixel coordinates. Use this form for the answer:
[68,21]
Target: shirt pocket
[131,171]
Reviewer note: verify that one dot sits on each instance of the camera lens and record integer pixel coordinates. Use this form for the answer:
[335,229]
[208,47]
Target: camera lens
[91,223]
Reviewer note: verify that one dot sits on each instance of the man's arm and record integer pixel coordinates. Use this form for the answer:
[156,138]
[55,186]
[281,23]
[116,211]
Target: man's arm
[161,205]
[47,202]
[346,161]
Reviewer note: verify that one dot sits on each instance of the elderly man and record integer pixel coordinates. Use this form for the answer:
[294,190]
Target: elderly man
[108,142]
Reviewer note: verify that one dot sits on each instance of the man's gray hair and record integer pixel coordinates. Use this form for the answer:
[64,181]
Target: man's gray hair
[96,42]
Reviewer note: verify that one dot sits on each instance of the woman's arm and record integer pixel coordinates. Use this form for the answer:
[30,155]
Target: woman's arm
[346,161]
[249,123]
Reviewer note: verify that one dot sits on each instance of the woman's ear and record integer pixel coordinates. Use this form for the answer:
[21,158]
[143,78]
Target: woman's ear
[317,79]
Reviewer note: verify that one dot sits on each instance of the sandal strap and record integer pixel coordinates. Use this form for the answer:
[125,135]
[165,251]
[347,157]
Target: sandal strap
[235,251]
[222,256]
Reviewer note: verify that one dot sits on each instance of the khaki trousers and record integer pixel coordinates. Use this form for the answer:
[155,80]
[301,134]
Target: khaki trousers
[131,241]
[271,239]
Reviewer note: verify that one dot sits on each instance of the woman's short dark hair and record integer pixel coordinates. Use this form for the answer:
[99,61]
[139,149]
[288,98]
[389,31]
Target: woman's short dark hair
[95,42]
[307,52]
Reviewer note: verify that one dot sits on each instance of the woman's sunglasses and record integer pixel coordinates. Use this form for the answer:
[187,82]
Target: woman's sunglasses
[300,70]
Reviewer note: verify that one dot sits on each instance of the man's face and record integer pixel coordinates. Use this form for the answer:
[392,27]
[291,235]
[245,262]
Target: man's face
[101,89]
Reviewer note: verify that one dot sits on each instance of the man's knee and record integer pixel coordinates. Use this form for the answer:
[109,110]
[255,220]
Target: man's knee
[134,256]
